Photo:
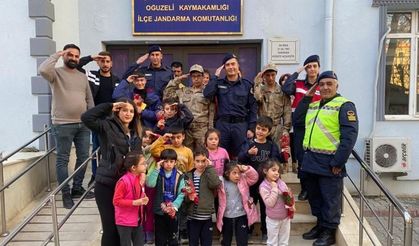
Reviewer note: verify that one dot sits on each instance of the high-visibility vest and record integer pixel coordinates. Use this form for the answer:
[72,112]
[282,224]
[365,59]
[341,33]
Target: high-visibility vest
[322,134]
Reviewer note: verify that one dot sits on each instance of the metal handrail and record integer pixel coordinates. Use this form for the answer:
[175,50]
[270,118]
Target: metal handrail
[394,203]
[21,173]
[51,199]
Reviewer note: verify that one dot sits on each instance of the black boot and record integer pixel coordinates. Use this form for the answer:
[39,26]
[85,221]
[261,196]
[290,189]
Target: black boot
[303,195]
[327,237]
[67,201]
[313,233]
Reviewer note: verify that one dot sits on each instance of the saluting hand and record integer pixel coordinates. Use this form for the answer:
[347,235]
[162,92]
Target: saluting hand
[300,69]
[97,57]
[312,90]
[118,105]
[218,71]
[142,58]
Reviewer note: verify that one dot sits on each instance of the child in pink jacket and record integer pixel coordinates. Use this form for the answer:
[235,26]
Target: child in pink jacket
[279,204]
[236,209]
[129,199]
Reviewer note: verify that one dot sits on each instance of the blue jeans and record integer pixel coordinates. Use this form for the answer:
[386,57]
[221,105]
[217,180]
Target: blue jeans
[96,144]
[65,135]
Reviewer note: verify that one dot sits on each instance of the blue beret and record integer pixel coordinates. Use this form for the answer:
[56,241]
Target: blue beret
[229,56]
[327,74]
[312,58]
[153,48]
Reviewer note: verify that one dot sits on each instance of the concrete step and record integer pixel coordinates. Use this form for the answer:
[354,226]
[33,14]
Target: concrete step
[294,240]
[302,223]
[302,207]
[292,182]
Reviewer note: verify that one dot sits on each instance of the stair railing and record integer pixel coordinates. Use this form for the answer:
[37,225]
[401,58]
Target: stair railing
[394,204]
[51,199]
[3,186]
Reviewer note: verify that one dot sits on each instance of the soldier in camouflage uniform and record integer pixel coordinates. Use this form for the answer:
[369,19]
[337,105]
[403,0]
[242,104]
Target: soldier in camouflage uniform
[201,107]
[273,102]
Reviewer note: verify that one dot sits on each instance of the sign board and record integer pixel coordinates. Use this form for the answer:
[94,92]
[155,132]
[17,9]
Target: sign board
[187,17]
[283,51]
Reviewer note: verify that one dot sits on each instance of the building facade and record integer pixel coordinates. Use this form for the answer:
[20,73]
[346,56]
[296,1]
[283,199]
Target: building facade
[371,44]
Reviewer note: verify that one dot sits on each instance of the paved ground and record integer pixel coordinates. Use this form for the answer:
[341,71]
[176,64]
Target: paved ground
[381,208]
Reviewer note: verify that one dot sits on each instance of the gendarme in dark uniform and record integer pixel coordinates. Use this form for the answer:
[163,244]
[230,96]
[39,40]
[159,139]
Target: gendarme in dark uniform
[237,108]
[331,130]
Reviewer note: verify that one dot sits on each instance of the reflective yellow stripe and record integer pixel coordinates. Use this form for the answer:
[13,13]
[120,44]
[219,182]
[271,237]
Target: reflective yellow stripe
[327,133]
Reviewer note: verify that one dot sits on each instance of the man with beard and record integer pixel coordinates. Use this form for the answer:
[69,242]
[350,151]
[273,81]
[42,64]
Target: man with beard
[71,96]
[102,84]
[157,74]
[237,107]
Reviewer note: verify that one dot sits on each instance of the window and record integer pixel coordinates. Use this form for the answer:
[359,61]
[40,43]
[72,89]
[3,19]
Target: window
[402,65]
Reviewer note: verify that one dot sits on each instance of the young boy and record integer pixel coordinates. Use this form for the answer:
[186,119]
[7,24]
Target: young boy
[175,136]
[184,163]
[148,102]
[173,115]
[193,98]
[255,152]
[169,183]
[200,204]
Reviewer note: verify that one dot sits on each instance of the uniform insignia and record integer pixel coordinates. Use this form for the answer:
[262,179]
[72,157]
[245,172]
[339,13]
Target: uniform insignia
[351,115]
[222,87]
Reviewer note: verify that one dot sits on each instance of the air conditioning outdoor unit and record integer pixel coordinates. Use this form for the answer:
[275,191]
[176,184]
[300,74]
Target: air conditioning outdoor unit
[388,154]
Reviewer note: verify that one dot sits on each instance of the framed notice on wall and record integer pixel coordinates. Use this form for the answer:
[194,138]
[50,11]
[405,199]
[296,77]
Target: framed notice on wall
[283,51]
[187,17]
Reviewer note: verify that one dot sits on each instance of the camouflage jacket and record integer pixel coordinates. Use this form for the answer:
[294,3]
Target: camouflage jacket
[202,108]
[276,104]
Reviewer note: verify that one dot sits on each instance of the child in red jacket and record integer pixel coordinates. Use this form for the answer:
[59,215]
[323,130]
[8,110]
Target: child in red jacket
[129,199]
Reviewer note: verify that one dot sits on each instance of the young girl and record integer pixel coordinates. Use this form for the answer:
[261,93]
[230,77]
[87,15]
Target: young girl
[279,204]
[236,210]
[129,199]
[217,155]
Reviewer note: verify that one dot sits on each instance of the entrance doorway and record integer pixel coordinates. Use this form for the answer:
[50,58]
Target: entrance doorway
[209,56]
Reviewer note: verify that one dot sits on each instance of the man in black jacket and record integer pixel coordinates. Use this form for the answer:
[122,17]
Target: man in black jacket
[102,84]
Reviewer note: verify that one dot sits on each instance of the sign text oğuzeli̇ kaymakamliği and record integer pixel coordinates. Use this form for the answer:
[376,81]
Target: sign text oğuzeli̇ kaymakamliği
[187,16]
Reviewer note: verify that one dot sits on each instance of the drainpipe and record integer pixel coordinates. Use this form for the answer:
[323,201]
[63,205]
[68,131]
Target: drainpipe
[328,36]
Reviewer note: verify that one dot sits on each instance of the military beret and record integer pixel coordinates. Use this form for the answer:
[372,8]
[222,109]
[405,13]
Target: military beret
[312,58]
[327,74]
[228,56]
[153,48]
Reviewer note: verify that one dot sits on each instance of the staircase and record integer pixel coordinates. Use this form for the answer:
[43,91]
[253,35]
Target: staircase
[303,220]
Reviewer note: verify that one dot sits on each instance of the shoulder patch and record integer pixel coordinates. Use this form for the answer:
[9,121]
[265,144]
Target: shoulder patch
[351,115]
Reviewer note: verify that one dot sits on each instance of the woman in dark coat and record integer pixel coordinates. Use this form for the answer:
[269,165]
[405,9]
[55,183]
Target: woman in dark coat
[118,135]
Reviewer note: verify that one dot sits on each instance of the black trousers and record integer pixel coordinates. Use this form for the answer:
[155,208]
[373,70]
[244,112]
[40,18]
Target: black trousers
[325,198]
[166,230]
[254,193]
[130,235]
[200,232]
[104,198]
[239,227]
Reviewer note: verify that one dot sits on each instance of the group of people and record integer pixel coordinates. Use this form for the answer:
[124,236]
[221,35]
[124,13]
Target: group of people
[176,148]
